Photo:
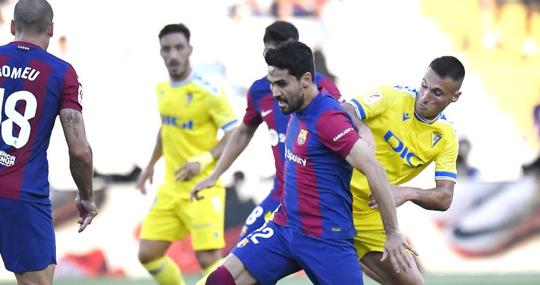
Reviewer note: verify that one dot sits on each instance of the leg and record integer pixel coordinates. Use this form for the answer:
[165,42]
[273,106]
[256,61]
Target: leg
[150,250]
[369,244]
[327,261]
[160,227]
[232,272]
[161,267]
[209,259]
[265,254]
[371,274]
[27,242]
[205,219]
[41,277]
[386,273]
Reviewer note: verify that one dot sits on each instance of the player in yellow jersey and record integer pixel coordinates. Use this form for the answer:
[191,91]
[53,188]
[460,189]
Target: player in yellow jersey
[192,111]
[410,131]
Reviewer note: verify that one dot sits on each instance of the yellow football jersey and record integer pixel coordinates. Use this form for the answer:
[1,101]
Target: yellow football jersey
[192,111]
[405,142]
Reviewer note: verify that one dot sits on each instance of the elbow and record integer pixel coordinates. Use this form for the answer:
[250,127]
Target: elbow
[81,153]
[446,201]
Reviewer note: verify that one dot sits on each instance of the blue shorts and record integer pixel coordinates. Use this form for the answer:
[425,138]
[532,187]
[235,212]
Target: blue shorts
[26,236]
[273,252]
[260,215]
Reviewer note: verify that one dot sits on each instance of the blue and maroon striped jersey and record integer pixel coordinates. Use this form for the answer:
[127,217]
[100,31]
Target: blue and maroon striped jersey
[34,86]
[261,106]
[316,198]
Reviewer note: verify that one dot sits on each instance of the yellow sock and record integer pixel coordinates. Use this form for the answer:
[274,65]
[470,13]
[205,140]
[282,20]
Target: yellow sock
[165,271]
[209,270]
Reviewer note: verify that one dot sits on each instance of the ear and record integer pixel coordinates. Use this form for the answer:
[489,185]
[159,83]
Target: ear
[306,80]
[456,95]
[13,29]
[190,49]
[50,30]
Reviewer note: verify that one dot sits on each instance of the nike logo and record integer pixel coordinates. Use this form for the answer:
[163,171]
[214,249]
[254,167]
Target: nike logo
[406,116]
[265,113]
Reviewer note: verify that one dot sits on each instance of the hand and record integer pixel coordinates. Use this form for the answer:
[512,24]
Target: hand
[206,183]
[147,174]
[188,171]
[398,249]
[399,193]
[87,211]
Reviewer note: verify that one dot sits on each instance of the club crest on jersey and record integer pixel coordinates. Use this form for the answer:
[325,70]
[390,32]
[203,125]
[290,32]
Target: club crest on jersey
[302,136]
[374,97]
[80,94]
[406,116]
[435,138]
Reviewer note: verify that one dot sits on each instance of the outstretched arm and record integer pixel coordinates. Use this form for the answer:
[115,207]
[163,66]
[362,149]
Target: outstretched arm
[236,144]
[80,164]
[438,198]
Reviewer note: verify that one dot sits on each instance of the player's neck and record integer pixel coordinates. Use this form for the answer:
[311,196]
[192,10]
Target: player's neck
[310,94]
[183,76]
[39,40]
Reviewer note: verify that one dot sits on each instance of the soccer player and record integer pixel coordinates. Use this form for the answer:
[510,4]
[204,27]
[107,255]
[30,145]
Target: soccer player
[261,107]
[35,87]
[192,111]
[410,132]
[313,228]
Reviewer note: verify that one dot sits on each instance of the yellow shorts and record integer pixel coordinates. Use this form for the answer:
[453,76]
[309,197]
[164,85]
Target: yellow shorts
[172,218]
[370,233]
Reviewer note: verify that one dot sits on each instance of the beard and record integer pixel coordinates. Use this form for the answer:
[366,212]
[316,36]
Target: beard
[292,104]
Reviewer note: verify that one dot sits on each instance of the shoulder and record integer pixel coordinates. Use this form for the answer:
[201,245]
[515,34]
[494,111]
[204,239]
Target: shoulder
[205,85]
[403,91]
[329,103]
[56,61]
[390,94]
[260,85]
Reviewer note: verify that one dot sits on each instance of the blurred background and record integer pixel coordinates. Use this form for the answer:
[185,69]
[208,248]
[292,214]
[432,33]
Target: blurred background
[488,236]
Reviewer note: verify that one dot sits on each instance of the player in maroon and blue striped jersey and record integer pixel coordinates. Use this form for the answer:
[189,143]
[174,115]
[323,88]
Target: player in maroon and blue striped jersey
[261,107]
[313,228]
[35,87]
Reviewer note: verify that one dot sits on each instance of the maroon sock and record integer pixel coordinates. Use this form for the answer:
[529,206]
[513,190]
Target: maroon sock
[220,276]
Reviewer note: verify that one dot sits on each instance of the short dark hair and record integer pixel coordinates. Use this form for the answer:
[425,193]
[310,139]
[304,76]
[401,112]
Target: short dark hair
[33,16]
[175,28]
[280,32]
[448,66]
[296,57]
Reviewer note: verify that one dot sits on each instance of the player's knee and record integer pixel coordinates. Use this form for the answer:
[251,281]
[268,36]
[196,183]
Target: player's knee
[410,279]
[146,255]
[220,276]
[207,258]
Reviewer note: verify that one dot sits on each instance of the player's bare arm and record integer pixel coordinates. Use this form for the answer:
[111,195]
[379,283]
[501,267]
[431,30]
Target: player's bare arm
[361,128]
[195,165]
[363,159]
[80,164]
[438,198]
[236,144]
[148,173]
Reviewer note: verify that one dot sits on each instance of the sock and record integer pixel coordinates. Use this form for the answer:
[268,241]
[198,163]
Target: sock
[165,271]
[212,267]
[209,270]
[220,276]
